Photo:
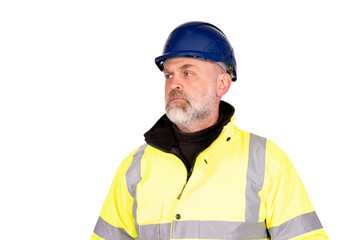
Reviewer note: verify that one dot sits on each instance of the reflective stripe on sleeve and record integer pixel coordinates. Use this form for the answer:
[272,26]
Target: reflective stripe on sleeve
[298,225]
[133,177]
[109,232]
[255,177]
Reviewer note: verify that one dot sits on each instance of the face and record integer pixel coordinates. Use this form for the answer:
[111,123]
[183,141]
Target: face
[190,90]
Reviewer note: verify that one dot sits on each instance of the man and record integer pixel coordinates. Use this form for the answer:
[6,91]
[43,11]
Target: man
[198,176]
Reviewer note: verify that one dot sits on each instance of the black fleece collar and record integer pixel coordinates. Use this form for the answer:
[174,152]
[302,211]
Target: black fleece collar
[161,135]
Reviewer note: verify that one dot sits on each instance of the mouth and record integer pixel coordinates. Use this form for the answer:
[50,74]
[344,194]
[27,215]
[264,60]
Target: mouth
[177,99]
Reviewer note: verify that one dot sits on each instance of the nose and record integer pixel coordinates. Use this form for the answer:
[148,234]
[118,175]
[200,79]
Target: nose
[176,83]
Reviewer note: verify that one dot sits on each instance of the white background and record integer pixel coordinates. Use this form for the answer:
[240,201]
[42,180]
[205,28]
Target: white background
[79,87]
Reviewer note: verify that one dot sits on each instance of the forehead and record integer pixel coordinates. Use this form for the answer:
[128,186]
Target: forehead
[183,63]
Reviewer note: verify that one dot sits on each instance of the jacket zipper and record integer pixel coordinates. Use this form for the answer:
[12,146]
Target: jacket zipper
[175,151]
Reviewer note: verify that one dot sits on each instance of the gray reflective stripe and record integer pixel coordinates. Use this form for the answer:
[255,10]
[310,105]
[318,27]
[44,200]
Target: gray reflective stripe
[109,232]
[219,230]
[299,225]
[204,230]
[133,176]
[255,177]
[155,231]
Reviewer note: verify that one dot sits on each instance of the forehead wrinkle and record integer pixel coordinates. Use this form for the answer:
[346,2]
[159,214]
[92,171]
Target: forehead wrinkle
[183,67]
[186,66]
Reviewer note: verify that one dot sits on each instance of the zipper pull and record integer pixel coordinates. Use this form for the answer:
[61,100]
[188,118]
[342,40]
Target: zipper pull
[189,173]
[175,149]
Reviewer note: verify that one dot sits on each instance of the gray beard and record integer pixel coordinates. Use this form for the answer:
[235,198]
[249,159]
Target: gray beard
[188,112]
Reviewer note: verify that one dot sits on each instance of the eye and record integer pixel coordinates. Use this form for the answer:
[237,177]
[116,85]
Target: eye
[167,76]
[188,74]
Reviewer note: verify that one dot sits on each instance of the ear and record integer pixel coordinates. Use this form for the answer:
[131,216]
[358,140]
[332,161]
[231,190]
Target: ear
[223,84]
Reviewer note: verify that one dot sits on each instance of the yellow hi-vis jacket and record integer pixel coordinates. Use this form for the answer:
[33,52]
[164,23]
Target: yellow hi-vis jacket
[242,187]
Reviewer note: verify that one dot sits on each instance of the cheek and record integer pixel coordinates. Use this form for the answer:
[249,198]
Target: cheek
[196,95]
[167,85]
[166,91]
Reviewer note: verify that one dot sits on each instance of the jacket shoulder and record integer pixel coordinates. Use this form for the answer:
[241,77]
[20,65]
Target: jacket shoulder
[128,161]
[273,153]
[271,148]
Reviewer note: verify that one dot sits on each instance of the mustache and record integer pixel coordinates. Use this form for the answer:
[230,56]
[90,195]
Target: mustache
[176,94]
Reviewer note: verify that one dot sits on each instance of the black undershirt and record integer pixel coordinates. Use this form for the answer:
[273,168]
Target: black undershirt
[165,136]
[192,144]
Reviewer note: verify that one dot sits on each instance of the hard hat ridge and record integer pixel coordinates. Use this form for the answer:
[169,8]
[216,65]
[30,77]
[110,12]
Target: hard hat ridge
[199,40]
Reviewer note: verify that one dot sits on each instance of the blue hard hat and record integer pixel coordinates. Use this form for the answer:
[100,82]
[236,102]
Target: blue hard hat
[199,40]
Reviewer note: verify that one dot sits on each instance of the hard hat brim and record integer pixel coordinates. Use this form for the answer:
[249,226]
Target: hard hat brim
[216,57]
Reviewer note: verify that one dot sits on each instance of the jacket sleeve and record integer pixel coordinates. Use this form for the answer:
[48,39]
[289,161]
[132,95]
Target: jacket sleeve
[116,221]
[289,212]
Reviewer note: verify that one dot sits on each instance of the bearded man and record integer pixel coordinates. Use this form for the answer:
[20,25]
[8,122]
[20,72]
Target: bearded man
[198,176]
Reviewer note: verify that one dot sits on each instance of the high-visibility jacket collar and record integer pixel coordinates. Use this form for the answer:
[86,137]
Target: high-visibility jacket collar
[161,135]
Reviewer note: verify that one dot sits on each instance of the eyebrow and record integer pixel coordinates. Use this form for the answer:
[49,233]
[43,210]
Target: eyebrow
[185,66]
